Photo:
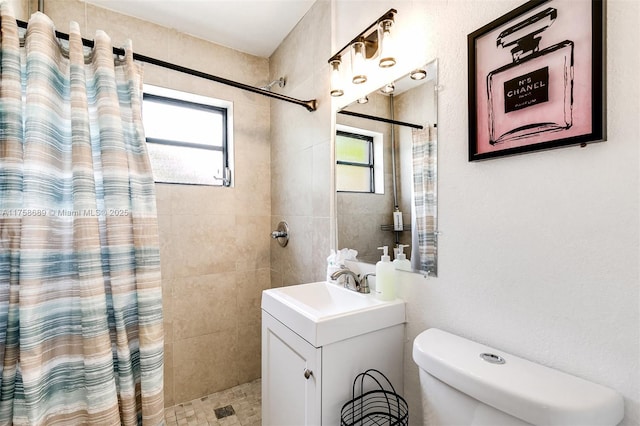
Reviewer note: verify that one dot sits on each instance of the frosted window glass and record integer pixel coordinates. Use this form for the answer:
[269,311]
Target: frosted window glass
[353,150]
[353,178]
[178,164]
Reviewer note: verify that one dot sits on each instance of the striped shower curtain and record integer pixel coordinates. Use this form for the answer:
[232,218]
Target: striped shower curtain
[424,247]
[81,338]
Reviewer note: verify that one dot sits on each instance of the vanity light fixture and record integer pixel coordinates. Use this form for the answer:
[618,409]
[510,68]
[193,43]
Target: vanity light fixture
[418,74]
[336,81]
[375,42]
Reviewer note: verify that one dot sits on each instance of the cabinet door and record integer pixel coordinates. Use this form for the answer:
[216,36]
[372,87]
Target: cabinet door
[291,377]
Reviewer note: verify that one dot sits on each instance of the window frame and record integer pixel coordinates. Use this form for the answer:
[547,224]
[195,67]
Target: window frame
[370,165]
[204,103]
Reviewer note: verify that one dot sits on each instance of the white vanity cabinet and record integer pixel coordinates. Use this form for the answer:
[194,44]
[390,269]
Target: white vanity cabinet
[291,377]
[311,353]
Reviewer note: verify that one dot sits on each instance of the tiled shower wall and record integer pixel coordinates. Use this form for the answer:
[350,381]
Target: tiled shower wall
[214,241]
[301,188]
[20,9]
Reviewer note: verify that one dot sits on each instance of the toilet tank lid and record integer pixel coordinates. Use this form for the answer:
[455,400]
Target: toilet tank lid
[523,389]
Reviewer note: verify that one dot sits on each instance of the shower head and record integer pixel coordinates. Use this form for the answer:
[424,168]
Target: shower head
[280,82]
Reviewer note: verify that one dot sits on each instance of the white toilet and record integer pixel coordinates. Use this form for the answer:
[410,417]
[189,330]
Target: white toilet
[466,383]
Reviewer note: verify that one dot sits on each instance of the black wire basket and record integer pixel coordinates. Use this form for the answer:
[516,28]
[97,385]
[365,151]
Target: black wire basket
[375,407]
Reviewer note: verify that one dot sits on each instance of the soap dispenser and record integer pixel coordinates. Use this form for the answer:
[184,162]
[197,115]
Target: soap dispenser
[385,276]
[401,262]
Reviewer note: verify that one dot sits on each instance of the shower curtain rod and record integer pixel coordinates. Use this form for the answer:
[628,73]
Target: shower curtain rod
[310,105]
[384,120]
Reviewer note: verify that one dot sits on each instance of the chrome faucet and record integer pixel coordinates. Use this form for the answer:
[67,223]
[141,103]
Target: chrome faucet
[349,273]
[358,285]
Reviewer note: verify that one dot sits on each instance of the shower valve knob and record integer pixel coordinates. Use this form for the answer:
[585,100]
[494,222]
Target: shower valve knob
[281,234]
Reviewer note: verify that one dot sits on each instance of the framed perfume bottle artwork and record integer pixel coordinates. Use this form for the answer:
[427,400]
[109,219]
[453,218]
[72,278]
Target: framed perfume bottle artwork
[536,79]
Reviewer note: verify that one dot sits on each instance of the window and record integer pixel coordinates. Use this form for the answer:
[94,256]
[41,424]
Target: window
[359,160]
[354,162]
[188,137]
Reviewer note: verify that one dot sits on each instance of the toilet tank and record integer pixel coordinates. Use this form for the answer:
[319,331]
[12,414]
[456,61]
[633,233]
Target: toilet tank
[466,383]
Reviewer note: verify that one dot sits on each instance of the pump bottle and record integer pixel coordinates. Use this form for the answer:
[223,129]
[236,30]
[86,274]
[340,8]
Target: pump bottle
[401,262]
[385,277]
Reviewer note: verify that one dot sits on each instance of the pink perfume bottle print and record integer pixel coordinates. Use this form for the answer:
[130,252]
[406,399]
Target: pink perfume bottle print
[534,93]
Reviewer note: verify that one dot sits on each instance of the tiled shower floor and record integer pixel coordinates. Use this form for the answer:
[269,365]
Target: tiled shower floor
[238,406]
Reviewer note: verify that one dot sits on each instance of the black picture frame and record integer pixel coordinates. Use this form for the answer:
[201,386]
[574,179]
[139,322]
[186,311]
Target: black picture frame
[555,105]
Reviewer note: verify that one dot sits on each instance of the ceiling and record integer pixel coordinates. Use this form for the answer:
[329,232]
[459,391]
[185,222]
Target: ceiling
[251,26]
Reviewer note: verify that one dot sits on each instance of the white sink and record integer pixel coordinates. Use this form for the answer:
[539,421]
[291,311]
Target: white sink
[323,313]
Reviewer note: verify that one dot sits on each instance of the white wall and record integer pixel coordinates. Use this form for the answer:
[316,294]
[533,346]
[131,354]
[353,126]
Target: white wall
[538,254]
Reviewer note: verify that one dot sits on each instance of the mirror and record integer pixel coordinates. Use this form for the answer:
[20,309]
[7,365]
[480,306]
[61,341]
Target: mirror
[386,162]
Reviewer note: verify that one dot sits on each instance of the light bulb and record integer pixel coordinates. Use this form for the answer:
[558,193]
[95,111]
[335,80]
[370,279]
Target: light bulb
[358,63]
[387,46]
[336,80]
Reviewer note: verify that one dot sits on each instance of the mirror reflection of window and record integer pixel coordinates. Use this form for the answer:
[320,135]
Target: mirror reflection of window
[354,162]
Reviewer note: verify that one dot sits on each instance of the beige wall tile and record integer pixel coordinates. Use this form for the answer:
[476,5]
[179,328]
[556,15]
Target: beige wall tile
[321,179]
[276,278]
[163,198]
[365,235]
[250,285]
[169,398]
[253,129]
[278,133]
[317,126]
[204,305]
[148,39]
[253,189]
[204,244]
[219,60]
[203,201]
[296,259]
[291,181]
[252,156]
[309,43]
[205,364]
[253,236]
[21,9]
[166,246]
[288,138]
[321,238]
[201,86]
[64,11]
[249,353]
[167,309]
[277,255]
